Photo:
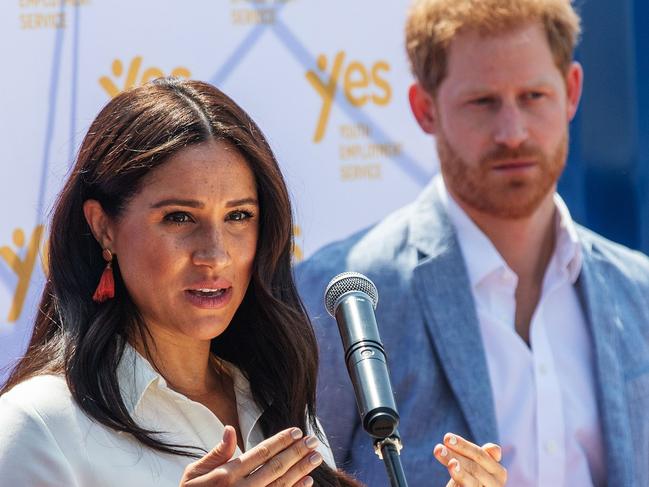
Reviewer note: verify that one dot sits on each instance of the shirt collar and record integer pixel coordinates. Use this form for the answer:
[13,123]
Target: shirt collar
[136,376]
[568,249]
[482,258]
[480,255]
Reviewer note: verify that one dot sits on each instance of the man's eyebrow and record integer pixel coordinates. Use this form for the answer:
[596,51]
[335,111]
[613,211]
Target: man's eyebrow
[485,90]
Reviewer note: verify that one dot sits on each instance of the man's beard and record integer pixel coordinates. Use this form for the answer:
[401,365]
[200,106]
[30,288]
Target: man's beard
[516,196]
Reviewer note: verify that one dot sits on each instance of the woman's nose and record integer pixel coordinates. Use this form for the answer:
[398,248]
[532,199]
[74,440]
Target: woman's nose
[211,249]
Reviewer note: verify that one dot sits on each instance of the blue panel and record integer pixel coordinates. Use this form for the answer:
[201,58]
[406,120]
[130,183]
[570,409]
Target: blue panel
[606,181]
[641,48]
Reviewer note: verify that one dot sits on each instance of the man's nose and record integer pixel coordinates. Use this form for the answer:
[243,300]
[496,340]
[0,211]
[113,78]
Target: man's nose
[510,129]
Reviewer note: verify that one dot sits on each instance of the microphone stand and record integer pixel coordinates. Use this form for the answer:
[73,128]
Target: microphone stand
[388,449]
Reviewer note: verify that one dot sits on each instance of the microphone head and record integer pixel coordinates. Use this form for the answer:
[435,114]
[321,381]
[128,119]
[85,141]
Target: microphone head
[346,282]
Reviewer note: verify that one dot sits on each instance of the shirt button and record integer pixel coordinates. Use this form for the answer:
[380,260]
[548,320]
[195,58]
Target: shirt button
[551,447]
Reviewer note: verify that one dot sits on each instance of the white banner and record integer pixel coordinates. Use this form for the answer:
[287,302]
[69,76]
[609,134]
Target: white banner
[327,82]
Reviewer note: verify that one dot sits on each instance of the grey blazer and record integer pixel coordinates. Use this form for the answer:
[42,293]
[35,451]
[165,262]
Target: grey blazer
[429,326]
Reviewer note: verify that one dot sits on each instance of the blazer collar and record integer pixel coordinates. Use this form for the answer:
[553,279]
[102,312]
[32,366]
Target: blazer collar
[430,230]
[601,308]
[443,289]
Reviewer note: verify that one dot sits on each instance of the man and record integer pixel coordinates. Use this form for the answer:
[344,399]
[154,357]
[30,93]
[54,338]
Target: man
[503,320]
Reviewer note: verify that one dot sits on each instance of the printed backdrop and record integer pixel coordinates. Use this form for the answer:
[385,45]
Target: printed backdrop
[326,80]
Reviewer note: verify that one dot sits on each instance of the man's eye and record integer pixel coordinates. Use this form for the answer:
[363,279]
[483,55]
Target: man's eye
[483,101]
[533,95]
[178,217]
[239,215]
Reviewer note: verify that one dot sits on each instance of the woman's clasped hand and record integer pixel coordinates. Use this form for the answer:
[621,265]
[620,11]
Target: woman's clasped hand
[282,460]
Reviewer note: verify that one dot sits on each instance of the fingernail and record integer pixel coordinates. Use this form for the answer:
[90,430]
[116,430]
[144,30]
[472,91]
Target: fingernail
[308,482]
[494,449]
[311,442]
[457,467]
[315,459]
[296,433]
[452,440]
[440,450]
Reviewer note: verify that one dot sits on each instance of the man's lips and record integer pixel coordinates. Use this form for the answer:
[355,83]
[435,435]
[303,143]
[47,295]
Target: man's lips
[514,165]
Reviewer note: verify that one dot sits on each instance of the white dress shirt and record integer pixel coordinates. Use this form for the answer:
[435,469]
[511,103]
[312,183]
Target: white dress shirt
[544,394]
[46,440]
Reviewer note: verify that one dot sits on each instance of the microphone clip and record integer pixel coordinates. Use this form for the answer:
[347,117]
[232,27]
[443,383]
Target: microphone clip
[393,441]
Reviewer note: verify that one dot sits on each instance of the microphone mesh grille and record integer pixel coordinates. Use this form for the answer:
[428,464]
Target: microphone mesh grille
[346,282]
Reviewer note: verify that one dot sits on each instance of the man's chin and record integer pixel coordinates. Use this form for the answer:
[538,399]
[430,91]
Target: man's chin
[512,203]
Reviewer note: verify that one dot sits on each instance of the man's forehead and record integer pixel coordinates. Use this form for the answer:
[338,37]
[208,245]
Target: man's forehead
[498,43]
[478,61]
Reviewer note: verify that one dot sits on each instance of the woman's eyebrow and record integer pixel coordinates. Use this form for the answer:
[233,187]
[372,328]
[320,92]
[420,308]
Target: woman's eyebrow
[242,201]
[178,202]
[200,204]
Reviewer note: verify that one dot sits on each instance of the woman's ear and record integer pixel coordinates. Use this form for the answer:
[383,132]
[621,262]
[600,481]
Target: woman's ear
[422,105]
[99,223]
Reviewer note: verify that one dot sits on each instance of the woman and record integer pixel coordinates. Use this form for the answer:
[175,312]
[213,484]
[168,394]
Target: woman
[177,206]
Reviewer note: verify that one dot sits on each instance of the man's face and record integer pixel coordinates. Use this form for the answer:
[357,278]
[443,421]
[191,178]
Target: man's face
[500,118]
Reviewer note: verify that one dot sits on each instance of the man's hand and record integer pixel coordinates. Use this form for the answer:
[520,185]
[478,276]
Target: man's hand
[471,465]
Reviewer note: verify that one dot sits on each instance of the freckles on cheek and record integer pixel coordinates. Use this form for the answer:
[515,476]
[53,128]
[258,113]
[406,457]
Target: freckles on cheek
[144,265]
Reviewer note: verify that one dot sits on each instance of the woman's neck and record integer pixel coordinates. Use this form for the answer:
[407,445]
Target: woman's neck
[185,364]
[190,369]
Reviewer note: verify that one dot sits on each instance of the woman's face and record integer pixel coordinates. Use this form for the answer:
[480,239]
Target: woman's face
[186,242]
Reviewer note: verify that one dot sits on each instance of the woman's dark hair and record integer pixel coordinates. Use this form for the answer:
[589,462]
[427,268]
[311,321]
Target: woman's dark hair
[270,338]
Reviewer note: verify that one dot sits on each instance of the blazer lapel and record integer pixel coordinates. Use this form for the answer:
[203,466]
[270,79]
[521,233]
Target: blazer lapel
[600,309]
[443,289]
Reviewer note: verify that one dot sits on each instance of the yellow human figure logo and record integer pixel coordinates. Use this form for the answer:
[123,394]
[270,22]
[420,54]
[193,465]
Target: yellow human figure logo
[117,69]
[22,267]
[298,255]
[326,91]
[361,85]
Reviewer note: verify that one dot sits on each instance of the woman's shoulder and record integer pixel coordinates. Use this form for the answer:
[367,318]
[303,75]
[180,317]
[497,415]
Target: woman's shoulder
[41,392]
[42,429]
[43,401]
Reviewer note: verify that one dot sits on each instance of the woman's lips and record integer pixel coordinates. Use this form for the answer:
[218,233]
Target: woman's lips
[209,298]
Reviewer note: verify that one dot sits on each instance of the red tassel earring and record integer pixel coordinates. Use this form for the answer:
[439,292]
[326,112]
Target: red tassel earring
[106,288]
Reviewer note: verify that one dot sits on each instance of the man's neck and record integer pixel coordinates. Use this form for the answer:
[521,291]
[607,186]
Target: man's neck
[526,244]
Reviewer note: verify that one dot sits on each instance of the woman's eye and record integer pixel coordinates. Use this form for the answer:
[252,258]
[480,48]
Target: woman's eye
[178,217]
[239,215]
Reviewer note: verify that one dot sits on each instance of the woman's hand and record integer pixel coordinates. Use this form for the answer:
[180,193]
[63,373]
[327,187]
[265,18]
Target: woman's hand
[471,465]
[282,460]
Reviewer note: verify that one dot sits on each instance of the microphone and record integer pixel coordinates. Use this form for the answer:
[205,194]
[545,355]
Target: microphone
[351,298]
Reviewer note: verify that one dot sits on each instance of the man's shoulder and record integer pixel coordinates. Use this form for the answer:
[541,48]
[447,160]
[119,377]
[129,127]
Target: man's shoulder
[629,263]
[375,245]
[382,252]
